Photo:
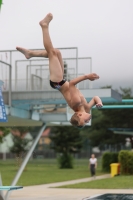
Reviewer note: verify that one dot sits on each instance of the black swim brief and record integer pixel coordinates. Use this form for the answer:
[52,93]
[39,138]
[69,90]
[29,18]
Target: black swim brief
[57,85]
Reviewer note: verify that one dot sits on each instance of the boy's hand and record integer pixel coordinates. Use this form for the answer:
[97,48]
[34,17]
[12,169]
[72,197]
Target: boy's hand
[99,105]
[92,76]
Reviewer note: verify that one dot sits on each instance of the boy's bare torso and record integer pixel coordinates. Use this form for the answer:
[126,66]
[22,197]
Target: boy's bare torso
[66,93]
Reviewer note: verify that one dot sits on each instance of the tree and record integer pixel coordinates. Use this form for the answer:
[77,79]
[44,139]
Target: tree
[0,3]
[124,114]
[99,134]
[3,132]
[121,118]
[21,131]
[66,141]
[126,93]
[20,144]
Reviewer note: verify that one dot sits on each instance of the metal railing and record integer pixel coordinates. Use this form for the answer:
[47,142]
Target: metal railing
[36,83]
[31,77]
[10,81]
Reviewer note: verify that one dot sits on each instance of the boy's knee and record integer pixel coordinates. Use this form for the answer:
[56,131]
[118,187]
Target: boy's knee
[55,52]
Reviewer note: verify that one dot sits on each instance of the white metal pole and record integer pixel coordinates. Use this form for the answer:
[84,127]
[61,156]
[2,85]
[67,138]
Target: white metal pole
[1,192]
[90,82]
[10,81]
[77,65]
[25,161]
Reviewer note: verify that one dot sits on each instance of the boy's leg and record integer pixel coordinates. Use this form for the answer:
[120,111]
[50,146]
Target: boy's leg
[39,53]
[56,65]
[31,53]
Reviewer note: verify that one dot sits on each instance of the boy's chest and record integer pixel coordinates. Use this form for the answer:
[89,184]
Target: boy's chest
[84,103]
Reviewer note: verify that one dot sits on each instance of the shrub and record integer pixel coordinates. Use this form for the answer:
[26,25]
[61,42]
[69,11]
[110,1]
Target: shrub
[130,162]
[65,161]
[126,161]
[114,157]
[107,159]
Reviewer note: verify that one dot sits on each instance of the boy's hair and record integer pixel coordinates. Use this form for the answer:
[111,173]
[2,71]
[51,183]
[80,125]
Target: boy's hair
[74,121]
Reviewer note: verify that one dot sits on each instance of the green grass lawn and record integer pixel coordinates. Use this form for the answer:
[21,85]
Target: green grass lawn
[118,182]
[44,171]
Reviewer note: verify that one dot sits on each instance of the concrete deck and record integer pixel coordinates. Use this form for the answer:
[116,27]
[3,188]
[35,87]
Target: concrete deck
[45,192]
[62,194]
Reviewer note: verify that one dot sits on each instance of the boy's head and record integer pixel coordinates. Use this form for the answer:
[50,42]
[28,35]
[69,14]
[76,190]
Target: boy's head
[79,119]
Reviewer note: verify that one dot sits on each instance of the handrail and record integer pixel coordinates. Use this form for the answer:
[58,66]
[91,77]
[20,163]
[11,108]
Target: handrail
[10,82]
[14,50]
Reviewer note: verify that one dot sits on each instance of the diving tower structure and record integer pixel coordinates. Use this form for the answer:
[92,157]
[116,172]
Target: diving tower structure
[29,99]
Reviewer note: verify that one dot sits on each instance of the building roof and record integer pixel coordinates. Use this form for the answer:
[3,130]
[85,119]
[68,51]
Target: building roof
[46,132]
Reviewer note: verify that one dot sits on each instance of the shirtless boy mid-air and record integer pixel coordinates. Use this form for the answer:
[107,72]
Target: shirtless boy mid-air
[72,95]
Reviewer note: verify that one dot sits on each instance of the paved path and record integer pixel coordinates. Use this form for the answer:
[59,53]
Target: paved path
[74,181]
[47,192]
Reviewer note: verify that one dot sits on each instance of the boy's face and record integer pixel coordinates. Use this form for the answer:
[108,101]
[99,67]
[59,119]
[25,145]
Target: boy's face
[83,118]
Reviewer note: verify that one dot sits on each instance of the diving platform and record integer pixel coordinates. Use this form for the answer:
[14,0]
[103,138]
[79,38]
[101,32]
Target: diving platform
[23,99]
[36,107]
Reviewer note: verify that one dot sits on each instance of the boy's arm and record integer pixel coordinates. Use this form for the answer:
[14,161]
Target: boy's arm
[90,77]
[95,101]
[75,97]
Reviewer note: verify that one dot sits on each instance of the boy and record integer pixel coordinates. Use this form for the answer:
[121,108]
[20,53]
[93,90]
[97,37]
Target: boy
[72,95]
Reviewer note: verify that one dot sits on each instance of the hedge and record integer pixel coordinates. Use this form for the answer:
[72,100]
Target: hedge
[107,159]
[126,162]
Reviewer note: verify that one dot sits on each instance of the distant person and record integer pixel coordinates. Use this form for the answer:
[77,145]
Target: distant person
[72,95]
[93,165]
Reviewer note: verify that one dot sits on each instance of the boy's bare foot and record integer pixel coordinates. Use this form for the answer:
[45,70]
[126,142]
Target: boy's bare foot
[45,22]
[26,52]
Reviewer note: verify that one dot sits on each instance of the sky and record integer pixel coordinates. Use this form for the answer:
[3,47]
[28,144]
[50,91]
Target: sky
[101,29]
